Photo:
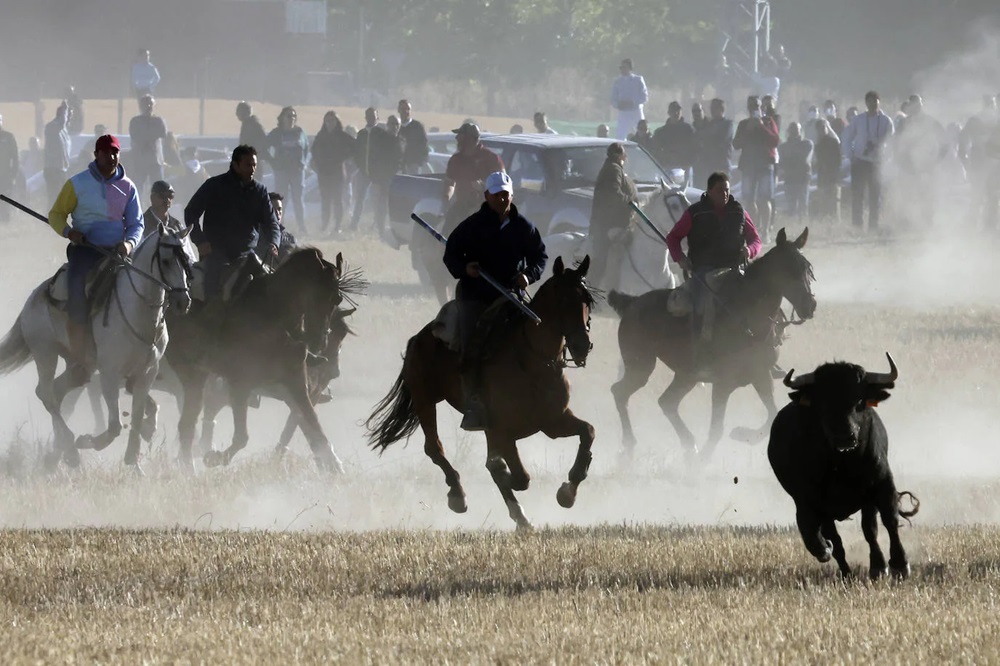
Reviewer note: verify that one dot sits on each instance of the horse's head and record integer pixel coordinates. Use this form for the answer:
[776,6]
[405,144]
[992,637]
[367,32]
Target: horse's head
[792,273]
[173,260]
[564,303]
[339,330]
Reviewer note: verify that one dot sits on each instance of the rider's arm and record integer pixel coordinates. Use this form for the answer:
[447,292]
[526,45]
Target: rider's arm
[751,236]
[677,234]
[65,204]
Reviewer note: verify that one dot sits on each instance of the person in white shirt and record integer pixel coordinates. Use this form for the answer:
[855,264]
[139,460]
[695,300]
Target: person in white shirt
[541,123]
[628,94]
[145,76]
[863,144]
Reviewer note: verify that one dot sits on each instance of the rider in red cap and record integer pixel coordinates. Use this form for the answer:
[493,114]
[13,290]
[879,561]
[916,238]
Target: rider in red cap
[106,216]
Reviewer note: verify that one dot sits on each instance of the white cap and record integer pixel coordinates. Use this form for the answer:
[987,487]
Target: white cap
[497,181]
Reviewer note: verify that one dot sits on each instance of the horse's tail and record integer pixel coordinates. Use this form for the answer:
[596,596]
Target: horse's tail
[619,302]
[393,418]
[914,505]
[14,350]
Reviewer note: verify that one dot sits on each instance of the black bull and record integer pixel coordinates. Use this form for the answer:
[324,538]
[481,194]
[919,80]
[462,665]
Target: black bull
[830,452]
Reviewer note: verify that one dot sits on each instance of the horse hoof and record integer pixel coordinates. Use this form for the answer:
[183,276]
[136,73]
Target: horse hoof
[524,527]
[213,459]
[147,432]
[71,457]
[900,573]
[136,469]
[876,574]
[51,462]
[457,503]
[85,442]
[566,496]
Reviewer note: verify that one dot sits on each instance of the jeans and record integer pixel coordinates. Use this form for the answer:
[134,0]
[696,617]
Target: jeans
[865,175]
[797,194]
[145,172]
[757,184]
[331,196]
[291,182]
[82,260]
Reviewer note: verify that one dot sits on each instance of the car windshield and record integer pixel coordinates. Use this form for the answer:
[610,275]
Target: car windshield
[579,166]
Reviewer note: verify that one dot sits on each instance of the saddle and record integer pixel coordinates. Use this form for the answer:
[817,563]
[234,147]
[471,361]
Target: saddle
[680,301]
[495,324]
[98,286]
[236,277]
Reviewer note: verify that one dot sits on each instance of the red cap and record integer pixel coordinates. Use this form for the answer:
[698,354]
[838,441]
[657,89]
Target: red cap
[107,142]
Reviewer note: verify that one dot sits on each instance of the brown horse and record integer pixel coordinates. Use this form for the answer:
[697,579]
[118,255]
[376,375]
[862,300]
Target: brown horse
[262,338]
[525,391]
[748,327]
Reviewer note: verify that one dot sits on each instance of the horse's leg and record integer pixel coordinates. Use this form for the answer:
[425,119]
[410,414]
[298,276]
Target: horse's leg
[764,386]
[568,425]
[239,398]
[45,365]
[94,397]
[720,400]
[140,405]
[193,394]
[427,416]
[670,403]
[497,450]
[111,388]
[638,368]
[326,457]
[150,419]
[213,403]
[291,425]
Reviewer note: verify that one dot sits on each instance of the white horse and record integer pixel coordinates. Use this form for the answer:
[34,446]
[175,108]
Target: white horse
[638,260]
[129,336]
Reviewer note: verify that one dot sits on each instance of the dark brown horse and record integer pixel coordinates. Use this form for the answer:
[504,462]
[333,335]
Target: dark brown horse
[262,338]
[748,327]
[525,391]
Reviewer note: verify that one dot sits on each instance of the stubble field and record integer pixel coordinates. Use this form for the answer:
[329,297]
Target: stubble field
[657,562]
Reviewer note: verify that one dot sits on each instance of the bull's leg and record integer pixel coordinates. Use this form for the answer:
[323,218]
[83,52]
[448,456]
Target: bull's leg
[888,509]
[764,386]
[869,527]
[829,530]
[569,425]
[809,523]
[497,447]
[670,403]
[638,368]
[111,388]
[720,400]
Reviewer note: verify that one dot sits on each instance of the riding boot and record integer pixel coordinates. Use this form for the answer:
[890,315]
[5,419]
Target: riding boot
[79,361]
[474,411]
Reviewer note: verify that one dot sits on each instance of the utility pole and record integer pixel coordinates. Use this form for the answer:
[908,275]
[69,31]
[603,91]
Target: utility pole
[361,45]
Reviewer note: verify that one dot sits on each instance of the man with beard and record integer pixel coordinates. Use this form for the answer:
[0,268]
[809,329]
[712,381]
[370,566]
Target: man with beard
[104,205]
[499,241]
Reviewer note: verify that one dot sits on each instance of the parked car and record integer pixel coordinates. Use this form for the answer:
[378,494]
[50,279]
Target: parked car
[553,180]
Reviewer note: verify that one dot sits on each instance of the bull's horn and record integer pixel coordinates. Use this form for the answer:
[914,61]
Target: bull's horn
[883,377]
[798,382]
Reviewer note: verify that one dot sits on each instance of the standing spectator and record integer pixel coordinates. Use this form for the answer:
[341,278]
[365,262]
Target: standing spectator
[147,132]
[628,94]
[289,148]
[643,136]
[863,144]
[541,123]
[674,141]
[414,136]
[32,158]
[852,113]
[781,62]
[767,110]
[57,151]
[75,103]
[837,124]
[362,160]
[251,130]
[826,159]
[715,145]
[603,131]
[796,168]
[698,119]
[920,146]
[610,212]
[810,123]
[972,150]
[145,76]
[10,166]
[330,149]
[516,129]
[385,161]
[465,175]
[757,140]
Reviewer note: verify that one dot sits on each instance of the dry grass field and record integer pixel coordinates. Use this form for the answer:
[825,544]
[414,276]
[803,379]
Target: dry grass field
[269,561]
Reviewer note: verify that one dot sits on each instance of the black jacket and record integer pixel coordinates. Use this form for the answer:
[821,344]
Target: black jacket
[714,241]
[236,213]
[503,251]
[415,146]
[252,134]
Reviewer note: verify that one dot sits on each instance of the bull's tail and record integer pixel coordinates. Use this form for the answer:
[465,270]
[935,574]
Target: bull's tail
[619,302]
[393,418]
[14,350]
[914,505]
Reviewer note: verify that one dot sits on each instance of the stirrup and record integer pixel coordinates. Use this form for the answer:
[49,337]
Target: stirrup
[474,416]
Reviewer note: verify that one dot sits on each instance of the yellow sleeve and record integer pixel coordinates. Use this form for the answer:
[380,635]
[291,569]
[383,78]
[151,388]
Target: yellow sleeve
[61,209]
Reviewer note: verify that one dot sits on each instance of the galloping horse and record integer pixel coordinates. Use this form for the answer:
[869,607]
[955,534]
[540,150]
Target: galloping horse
[262,338]
[525,391]
[129,334]
[748,327]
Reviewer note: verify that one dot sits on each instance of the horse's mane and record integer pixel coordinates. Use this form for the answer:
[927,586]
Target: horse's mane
[352,281]
[776,254]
